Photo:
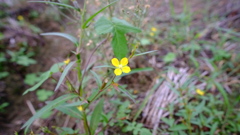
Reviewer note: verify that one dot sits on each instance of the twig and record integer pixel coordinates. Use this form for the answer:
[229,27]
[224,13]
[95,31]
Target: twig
[66,121]
[33,111]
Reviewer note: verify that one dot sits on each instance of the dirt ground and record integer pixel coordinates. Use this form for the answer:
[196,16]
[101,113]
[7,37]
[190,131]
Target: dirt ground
[54,49]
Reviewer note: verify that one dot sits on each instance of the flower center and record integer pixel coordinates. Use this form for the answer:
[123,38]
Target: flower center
[120,66]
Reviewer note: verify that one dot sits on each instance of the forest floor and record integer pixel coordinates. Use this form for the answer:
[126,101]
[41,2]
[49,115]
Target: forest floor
[203,18]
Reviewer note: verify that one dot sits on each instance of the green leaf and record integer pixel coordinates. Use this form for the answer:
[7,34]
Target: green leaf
[145,41]
[25,61]
[214,128]
[225,96]
[70,110]
[126,93]
[170,57]
[43,94]
[124,26]
[199,108]
[58,4]
[119,45]
[104,66]
[89,19]
[145,131]
[65,71]
[67,131]
[44,77]
[2,56]
[178,127]
[103,26]
[97,78]
[96,116]
[3,74]
[31,79]
[65,35]
[119,28]
[136,70]
[76,104]
[53,104]
[55,67]
[46,115]
[144,53]
[169,121]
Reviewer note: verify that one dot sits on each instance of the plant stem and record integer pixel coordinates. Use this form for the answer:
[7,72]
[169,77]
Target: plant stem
[78,55]
[85,122]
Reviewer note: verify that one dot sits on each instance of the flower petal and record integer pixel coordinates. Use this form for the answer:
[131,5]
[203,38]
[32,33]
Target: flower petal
[124,61]
[117,71]
[115,62]
[126,69]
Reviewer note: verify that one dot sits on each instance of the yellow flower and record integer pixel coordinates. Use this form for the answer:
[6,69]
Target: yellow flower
[200,92]
[151,34]
[154,29]
[67,61]
[121,66]
[20,18]
[80,108]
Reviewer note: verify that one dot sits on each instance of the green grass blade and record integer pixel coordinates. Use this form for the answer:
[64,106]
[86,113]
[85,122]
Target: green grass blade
[89,19]
[97,78]
[96,116]
[78,103]
[65,35]
[68,67]
[104,66]
[144,53]
[71,111]
[136,70]
[58,4]
[53,104]
[126,93]
[44,77]
[224,94]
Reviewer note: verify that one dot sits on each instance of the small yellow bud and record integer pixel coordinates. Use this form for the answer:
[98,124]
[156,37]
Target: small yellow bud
[135,92]
[153,29]
[200,92]
[67,61]
[80,108]
[151,34]
[20,18]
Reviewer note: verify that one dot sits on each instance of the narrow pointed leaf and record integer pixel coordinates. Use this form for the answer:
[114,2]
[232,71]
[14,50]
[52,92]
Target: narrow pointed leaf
[104,66]
[96,116]
[71,111]
[68,67]
[45,76]
[126,93]
[89,19]
[65,35]
[53,104]
[97,78]
[139,54]
[136,70]
[76,104]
